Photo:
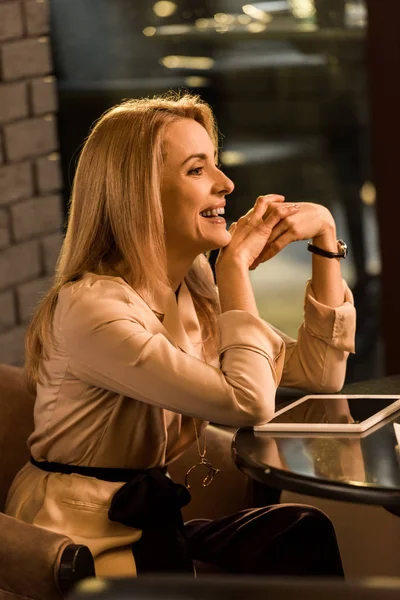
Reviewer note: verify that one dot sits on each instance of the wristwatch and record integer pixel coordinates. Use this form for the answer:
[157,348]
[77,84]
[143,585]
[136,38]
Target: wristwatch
[341,253]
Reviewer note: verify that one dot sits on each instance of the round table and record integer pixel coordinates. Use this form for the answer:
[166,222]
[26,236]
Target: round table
[363,468]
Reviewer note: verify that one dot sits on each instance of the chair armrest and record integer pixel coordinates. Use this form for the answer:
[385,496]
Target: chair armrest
[39,564]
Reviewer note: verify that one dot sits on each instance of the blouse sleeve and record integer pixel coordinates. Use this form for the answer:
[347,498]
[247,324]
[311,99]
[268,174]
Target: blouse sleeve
[108,346]
[317,360]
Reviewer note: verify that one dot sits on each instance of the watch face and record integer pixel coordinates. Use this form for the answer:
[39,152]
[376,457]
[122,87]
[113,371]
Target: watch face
[342,247]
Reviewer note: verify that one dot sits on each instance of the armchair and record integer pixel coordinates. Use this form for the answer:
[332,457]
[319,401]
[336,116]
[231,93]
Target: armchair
[35,563]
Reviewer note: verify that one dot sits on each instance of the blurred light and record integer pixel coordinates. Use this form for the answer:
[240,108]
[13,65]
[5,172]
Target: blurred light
[54,156]
[187,62]
[274,5]
[356,14]
[202,23]
[92,585]
[256,13]
[374,267]
[196,82]
[302,9]
[224,19]
[256,27]
[368,193]
[222,29]
[170,62]
[232,158]
[174,29]
[381,580]
[244,19]
[164,8]
[149,31]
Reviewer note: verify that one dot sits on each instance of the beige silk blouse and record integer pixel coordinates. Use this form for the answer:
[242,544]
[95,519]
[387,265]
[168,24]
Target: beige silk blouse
[123,381]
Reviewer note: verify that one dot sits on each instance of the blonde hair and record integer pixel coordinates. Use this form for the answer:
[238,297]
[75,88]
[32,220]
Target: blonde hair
[116,213]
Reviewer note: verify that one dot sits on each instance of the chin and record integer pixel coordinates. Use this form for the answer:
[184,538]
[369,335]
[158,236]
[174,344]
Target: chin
[220,242]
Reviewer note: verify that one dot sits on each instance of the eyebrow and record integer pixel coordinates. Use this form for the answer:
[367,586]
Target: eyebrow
[200,155]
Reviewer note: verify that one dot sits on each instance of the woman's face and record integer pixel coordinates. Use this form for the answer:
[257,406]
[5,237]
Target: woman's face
[192,186]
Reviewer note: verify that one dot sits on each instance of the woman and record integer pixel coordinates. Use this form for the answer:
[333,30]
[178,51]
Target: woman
[132,350]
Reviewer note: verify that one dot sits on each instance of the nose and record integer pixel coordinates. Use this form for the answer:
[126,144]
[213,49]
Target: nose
[225,185]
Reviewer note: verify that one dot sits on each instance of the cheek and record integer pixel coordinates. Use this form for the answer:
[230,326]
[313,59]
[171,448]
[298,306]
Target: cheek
[170,205]
[182,202]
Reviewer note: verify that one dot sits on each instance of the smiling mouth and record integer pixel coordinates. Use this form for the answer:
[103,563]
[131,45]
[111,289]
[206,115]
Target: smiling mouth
[213,213]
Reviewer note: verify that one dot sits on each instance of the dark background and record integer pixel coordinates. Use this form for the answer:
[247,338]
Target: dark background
[306,109]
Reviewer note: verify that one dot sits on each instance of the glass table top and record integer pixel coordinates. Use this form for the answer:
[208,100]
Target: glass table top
[369,459]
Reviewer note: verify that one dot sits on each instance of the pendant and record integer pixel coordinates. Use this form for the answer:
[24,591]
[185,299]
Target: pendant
[208,479]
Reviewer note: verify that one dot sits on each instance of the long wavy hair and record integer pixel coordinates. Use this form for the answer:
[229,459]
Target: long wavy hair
[116,218]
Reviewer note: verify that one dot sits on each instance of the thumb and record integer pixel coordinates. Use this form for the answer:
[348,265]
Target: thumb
[232,227]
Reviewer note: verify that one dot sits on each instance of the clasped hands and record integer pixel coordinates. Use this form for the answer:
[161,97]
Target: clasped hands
[273,224]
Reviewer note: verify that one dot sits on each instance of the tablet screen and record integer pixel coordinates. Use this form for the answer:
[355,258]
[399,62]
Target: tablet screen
[334,410]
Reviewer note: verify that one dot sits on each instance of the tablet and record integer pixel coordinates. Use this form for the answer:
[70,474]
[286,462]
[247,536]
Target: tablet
[333,412]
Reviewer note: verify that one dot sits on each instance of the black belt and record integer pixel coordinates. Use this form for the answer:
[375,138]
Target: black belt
[103,473]
[149,501]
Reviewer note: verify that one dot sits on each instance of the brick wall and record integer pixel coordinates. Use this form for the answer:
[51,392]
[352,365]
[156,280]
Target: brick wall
[31,211]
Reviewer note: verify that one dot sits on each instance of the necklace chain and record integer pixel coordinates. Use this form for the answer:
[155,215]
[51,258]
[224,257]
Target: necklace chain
[201,454]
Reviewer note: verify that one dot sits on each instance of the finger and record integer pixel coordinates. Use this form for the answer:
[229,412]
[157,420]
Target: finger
[282,227]
[271,207]
[277,213]
[261,205]
[263,202]
[277,246]
[281,213]
[232,227]
[278,230]
[254,265]
[272,248]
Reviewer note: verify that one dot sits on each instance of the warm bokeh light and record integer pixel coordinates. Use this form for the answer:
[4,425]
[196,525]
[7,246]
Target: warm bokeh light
[368,193]
[224,19]
[175,29]
[244,19]
[195,82]
[256,27]
[92,585]
[149,31]
[302,9]
[256,13]
[164,8]
[202,23]
[232,158]
[187,62]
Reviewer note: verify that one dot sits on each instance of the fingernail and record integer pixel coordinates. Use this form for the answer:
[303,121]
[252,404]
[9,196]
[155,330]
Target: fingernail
[295,205]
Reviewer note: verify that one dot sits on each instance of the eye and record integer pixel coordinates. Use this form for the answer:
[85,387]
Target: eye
[196,171]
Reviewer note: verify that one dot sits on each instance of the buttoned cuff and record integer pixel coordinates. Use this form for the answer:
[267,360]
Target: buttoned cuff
[240,330]
[335,326]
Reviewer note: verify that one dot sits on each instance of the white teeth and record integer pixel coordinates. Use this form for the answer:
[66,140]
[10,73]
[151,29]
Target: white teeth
[213,212]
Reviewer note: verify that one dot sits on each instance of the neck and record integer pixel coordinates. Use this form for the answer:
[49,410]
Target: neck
[178,267]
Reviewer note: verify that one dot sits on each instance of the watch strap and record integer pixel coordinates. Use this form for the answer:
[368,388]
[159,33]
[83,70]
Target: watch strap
[342,250]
